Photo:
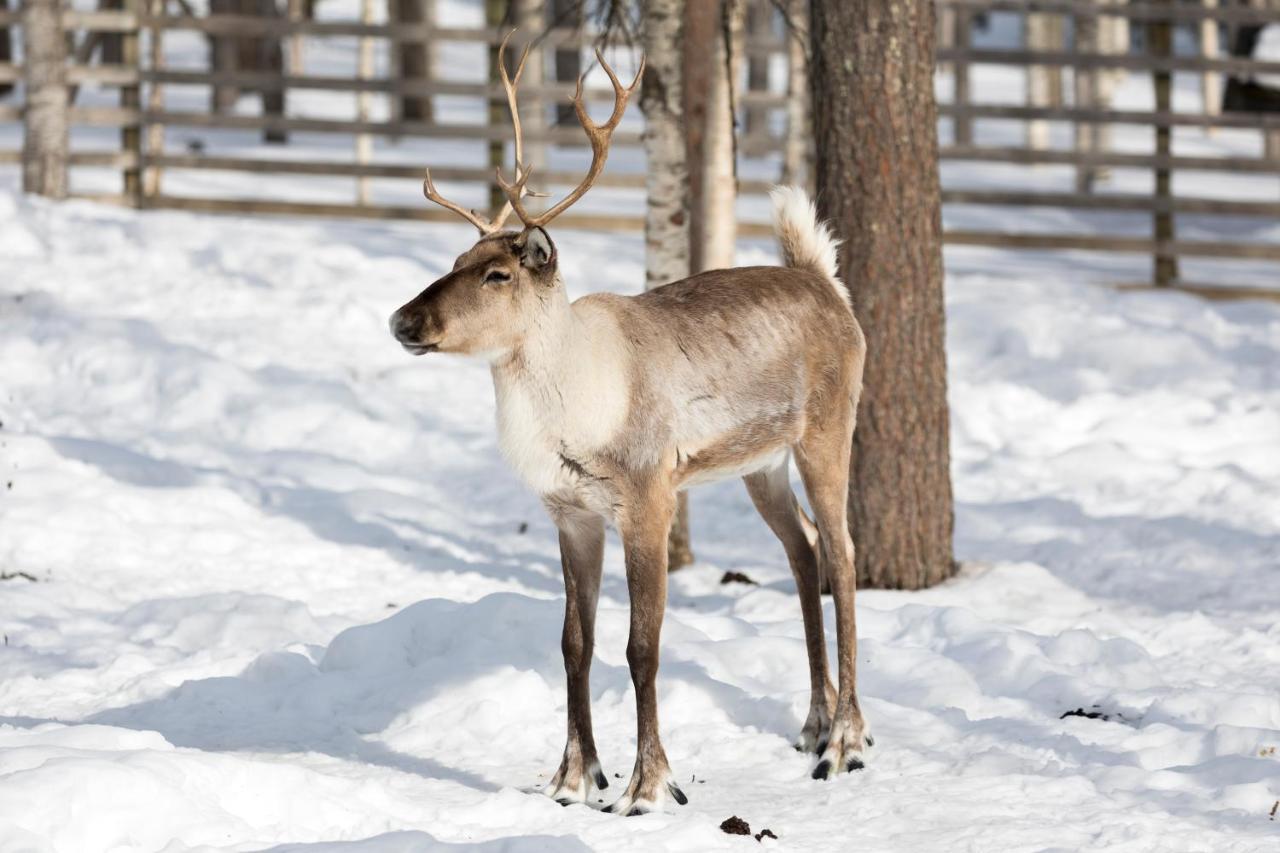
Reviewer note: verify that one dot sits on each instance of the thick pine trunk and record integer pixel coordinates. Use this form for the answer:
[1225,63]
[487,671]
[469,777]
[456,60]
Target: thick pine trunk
[666,227]
[877,180]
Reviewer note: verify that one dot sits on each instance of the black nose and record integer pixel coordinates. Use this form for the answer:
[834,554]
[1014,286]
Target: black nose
[406,328]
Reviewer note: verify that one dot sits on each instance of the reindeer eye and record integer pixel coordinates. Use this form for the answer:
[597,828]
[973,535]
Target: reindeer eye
[497,277]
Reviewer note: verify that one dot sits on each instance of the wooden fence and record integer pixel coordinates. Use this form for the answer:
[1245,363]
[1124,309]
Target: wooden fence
[144,118]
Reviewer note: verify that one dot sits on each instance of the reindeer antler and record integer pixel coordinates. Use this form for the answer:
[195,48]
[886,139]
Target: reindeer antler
[490,226]
[599,135]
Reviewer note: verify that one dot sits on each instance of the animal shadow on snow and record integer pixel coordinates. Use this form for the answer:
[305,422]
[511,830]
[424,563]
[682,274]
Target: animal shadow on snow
[421,842]
[437,677]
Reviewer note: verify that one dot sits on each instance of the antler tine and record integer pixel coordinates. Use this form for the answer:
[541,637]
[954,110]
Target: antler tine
[490,226]
[510,84]
[486,227]
[599,135]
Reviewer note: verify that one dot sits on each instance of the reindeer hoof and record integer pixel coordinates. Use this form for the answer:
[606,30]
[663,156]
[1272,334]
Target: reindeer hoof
[844,752]
[572,783]
[648,792]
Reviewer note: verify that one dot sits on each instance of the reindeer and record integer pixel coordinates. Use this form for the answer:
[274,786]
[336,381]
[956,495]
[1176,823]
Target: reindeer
[610,405]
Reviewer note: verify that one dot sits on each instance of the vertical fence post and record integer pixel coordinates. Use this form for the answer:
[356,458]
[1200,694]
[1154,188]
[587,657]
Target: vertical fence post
[131,99]
[1037,33]
[962,125]
[1165,267]
[1085,84]
[6,48]
[1210,81]
[364,71]
[295,12]
[155,102]
[44,144]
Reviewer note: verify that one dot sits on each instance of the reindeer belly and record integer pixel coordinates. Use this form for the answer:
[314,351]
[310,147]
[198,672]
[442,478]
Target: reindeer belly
[760,443]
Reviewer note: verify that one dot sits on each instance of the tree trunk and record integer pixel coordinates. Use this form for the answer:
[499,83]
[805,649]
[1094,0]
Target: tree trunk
[240,53]
[719,147]
[877,179]
[531,18]
[568,60]
[44,140]
[797,152]
[666,224]
[759,25]
[112,43]
[6,49]
[701,30]
[411,60]
[496,14]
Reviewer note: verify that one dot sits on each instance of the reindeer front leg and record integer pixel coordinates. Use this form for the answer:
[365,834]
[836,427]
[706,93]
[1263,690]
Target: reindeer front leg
[581,557]
[644,539]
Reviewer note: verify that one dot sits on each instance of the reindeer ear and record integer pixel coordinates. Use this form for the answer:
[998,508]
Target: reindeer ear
[536,249]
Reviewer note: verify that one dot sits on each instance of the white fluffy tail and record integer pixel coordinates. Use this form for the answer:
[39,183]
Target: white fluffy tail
[805,242]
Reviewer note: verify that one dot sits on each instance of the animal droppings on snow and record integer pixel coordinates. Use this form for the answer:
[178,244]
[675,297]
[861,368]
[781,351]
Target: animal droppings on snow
[735,826]
[737,577]
[1089,715]
[765,833]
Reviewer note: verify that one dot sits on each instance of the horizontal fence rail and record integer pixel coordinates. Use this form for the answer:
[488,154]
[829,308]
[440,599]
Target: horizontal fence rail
[1070,81]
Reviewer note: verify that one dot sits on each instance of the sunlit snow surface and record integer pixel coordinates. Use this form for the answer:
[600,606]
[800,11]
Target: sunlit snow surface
[283,598]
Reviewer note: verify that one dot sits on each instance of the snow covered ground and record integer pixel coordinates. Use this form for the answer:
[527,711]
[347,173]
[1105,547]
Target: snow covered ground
[269,583]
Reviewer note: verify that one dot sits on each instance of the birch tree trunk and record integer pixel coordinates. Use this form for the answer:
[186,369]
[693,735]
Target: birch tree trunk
[719,145]
[666,228]
[877,179]
[666,224]
[44,141]
[701,29]
[531,18]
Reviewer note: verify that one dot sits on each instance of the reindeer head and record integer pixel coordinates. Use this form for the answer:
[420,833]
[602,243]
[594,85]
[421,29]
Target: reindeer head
[496,293]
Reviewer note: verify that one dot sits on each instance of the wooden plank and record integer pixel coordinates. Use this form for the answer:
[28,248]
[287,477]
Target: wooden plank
[1024,156]
[1111,201]
[1133,62]
[1099,116]
[249,25]
[1103,243]
[107,75]
[261,80]
[107,159]
[347,168]
[112,117]
[421,213]
[1132,11]
[1214,292]
[100,21]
